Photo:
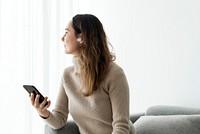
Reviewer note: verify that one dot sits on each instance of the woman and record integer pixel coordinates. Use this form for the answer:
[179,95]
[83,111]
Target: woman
[94,90]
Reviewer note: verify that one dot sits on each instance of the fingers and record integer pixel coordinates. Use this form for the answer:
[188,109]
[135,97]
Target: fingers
[48,105]
[32,98]
[44,103]
[37,105]
[35,102]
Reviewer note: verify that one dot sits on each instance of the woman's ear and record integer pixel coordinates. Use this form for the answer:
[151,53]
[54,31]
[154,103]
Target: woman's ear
[79,39]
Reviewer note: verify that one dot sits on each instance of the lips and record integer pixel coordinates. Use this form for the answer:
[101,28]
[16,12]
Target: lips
[65,46]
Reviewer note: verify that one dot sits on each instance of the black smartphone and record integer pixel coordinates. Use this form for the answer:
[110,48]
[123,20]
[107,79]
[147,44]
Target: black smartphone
[32,89]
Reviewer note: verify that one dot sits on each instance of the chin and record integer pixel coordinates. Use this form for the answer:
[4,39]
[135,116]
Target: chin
[67,52]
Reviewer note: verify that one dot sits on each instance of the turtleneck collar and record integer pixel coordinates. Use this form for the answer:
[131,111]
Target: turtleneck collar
[76,64]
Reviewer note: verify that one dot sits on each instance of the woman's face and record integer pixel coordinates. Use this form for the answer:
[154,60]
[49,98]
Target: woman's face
[69,39]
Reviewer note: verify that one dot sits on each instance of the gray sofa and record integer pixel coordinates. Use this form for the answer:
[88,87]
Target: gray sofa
[159,119]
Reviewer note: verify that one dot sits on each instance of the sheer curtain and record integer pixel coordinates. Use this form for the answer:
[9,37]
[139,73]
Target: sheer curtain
[31,52]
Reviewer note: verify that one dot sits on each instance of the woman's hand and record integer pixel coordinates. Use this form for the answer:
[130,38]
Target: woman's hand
[40,107]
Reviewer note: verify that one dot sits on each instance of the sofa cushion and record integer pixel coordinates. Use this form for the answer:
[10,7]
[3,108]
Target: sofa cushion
[69,128]
[172,124]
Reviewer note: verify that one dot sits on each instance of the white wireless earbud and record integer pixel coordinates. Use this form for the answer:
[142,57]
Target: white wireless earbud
[79,39]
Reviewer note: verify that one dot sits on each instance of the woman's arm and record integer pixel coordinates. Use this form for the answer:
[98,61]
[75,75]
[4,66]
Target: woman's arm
[58,116]
[119,97]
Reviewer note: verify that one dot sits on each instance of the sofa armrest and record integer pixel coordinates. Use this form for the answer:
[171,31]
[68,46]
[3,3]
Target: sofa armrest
[171,110]
[136,116]
[69,128]
[168,124]
[164,119]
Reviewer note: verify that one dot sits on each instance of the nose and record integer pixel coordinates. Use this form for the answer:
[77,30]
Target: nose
[63,37]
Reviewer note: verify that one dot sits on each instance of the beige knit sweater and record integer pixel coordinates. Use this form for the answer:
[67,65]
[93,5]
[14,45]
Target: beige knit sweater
[104,112]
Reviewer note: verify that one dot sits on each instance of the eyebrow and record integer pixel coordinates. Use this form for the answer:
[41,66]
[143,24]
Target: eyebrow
[66,29]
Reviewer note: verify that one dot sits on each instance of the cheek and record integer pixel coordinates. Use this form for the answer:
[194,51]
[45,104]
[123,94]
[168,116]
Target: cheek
[70,40]
[66,38]
[72,44]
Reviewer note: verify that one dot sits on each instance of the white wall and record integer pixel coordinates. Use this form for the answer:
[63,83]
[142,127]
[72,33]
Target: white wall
[157,43]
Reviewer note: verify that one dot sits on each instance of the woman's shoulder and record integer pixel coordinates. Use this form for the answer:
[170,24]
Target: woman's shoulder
[114,76]
[67,72]
[114,72]
[115,68]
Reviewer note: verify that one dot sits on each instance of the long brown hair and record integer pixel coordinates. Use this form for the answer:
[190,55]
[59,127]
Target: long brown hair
[95,55]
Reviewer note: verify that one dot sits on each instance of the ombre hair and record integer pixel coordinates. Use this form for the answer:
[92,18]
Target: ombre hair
[95,55]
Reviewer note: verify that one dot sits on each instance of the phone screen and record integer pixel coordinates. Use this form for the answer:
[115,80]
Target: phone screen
[32,89]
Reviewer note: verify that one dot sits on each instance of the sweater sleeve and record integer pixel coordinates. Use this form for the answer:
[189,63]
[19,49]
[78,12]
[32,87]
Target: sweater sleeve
[119,97]
[58,116]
